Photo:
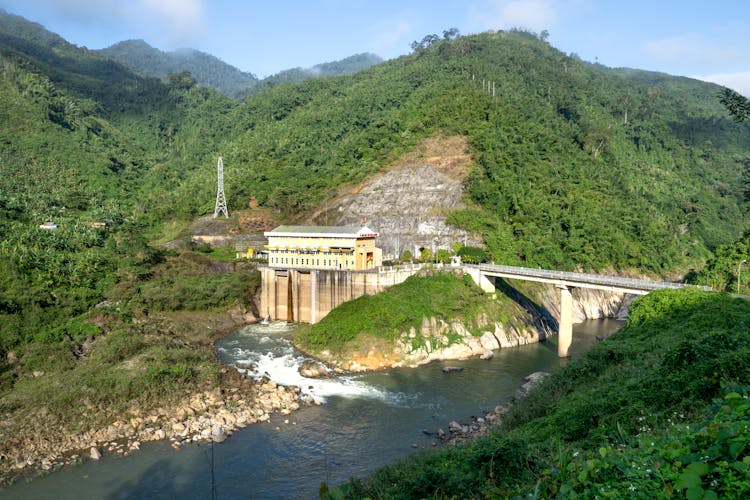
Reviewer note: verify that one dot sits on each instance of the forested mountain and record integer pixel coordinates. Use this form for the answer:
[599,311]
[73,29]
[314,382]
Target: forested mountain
[345,66]
[205,68]
[212,72]
[576,165]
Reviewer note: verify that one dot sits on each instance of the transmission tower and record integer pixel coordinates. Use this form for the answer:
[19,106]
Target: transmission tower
[221,200]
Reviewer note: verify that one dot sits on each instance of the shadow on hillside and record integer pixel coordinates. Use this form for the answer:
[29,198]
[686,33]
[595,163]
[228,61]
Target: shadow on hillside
[544,321]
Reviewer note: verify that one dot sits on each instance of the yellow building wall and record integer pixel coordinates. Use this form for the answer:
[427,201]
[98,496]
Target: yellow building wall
[323,253]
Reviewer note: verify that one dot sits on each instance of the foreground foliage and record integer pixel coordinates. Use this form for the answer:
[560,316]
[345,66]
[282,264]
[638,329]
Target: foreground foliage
[659,408]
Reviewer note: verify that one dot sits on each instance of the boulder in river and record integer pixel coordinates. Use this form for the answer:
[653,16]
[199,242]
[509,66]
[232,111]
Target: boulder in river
[531,381]
[313,369]
[449,369]
[217,434]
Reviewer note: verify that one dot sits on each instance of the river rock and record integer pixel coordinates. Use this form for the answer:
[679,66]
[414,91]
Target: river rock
[217,434]
[454,426]
[313,369]
[487,355]
[94,453]
[531,381]
[450,369]
[489,341]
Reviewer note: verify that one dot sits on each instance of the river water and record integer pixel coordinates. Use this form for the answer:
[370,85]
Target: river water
[363,422]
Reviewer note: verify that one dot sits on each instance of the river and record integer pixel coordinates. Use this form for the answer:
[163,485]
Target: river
[363,422]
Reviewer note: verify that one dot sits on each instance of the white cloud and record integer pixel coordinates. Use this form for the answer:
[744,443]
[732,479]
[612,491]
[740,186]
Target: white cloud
[535,15]
[389,37]
[168,21]
[691,50]
[180,18]
[739,82]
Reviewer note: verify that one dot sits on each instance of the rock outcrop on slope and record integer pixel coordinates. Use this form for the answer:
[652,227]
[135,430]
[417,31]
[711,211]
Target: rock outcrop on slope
[408,202]
[435,340]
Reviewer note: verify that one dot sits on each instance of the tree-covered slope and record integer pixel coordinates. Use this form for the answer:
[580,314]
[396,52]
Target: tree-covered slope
[81,72]
[205,68]
[577,166]
[78,147]
[659,409]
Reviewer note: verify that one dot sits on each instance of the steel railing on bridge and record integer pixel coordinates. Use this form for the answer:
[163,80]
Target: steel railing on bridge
[581,279]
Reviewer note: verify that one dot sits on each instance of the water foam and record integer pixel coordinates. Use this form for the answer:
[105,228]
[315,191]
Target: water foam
[267,351]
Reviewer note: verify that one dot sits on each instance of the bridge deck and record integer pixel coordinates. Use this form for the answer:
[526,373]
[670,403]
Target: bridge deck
[580,280]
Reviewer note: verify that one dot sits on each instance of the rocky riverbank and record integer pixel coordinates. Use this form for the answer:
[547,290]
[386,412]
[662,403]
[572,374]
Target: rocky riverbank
[210,415]
[481,426]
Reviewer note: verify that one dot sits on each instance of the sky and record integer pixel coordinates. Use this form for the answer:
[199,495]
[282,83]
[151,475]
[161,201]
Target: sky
[703,39]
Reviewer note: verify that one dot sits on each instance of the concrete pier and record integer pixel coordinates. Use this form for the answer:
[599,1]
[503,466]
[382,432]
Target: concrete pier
[565,330]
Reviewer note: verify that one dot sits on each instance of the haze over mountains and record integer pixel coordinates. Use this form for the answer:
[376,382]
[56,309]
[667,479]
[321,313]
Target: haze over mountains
[211,71]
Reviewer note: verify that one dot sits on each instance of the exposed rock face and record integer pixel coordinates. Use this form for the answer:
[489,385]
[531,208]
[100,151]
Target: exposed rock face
[408,203]
[589,303]
[437,346]
[434,344]
[408,208]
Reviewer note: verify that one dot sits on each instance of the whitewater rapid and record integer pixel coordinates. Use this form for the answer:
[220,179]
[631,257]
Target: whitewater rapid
[266,350]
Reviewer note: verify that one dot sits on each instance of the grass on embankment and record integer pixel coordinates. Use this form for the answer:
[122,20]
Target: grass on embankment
[386,315]
[660,408]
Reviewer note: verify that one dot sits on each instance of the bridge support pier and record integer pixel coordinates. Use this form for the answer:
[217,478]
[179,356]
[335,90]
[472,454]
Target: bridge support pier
[565,328]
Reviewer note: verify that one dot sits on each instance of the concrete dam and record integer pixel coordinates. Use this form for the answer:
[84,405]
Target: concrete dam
[307,295]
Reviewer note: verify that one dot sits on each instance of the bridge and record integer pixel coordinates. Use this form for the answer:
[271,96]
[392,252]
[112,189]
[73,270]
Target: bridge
[308,294]
[483,275]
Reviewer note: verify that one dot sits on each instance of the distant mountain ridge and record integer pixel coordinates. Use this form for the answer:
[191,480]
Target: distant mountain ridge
[206,69]
[211,71]
[346,66]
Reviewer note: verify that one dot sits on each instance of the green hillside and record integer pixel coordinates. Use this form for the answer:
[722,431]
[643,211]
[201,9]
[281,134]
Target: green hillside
[205,68]
[660,409]
[576,166]
[81,144]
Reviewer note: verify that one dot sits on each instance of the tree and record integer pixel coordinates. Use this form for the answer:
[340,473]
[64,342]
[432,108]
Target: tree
[450,34]
[737,104]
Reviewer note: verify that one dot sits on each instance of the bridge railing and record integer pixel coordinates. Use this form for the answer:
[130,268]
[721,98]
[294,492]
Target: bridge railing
[596,279]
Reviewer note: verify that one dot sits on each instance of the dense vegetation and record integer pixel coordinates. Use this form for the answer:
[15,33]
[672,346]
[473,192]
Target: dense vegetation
[441,295]
[659,408]
[87,310]
[728,268]
[577,166]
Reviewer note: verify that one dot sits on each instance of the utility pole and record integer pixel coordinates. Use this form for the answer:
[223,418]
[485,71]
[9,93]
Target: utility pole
[221,200]
[739,268]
